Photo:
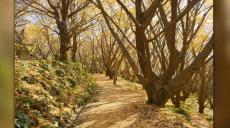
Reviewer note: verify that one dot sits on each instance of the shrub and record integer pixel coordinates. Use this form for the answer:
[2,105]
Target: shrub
[21,120]
[30,79]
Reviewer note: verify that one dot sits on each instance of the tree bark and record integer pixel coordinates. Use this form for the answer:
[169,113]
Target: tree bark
[176,100]
[159,91]
[201,107]
[74,48]
[155,96]
[64,39]
[114,78]
[109,73]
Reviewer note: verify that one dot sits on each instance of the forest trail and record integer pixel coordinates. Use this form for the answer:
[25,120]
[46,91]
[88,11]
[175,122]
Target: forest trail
[122,106]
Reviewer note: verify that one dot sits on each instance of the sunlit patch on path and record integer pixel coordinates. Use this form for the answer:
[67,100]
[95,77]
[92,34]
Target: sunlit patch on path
[125,123]
[111,108]
[123,106]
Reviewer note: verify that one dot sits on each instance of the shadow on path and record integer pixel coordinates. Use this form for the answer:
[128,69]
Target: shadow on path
[122,107]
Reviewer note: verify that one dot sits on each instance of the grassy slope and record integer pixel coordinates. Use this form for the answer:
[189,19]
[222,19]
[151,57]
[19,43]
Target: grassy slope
[48,93]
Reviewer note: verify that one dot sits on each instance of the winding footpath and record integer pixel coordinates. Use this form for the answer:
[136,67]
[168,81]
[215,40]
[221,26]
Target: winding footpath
[122,106]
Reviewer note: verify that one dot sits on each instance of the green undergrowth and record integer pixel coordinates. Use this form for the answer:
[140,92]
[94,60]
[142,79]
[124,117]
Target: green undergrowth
[190,106]
[48,93]
[183,110]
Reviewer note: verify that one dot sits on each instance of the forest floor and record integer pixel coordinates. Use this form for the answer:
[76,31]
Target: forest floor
[123,106]
[48,94]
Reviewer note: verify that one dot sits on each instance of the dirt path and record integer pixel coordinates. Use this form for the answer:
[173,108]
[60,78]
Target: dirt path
[123,107]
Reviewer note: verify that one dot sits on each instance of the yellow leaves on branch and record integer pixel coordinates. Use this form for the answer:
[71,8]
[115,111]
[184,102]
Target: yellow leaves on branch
[199,40]
[32,31]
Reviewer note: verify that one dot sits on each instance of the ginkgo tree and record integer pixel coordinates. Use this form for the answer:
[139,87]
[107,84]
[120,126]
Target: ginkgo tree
[174,23]
[67,16]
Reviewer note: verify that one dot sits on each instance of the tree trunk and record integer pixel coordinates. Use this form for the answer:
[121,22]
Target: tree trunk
[185,95]
[64,39]
[106,73]
[202,91]
[155,96]
[176,100]
[114,78]
[140,44]
[109,73]
[201,107]
[74,49]
[63,49]
[211,103]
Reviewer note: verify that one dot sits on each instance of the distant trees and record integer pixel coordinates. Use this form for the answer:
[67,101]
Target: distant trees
[103,53]
[20,21]
[45,38]
[110,53]
[205,88]
[152,25]
[62,12]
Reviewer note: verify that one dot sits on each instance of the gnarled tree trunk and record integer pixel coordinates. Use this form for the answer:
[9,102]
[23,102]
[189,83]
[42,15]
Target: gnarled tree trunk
[64,39]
